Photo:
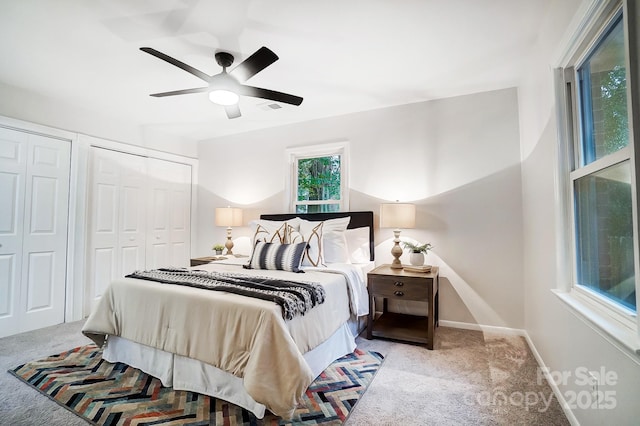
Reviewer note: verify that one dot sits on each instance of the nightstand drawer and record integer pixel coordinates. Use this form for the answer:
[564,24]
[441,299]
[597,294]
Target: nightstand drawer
[399,288]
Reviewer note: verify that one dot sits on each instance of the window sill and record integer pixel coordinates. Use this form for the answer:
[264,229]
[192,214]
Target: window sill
[615,332]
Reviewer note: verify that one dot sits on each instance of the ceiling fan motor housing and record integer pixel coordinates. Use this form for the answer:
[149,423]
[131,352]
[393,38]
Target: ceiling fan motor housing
[224,59]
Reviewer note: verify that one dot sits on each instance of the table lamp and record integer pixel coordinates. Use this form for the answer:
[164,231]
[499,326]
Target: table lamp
[397,215]
[228,216]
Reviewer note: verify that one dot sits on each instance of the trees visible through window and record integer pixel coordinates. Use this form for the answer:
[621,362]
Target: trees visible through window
[319,188]
[319,178]
[602,184]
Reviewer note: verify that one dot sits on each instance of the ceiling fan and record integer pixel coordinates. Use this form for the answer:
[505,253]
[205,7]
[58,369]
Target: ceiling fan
[226,87]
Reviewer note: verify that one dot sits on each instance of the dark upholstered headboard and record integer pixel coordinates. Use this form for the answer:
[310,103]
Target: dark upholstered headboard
[358,220]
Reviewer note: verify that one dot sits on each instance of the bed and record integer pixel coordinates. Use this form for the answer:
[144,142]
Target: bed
[242,349]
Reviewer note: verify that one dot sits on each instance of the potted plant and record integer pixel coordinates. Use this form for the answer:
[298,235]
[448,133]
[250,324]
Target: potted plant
[218,248]
[417,252]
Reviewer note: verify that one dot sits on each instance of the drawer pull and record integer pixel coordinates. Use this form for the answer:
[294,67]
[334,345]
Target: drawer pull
[398,283]
[398,293]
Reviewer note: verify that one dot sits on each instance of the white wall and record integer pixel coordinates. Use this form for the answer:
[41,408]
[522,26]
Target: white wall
[457,159]
[63,114]
[564,342]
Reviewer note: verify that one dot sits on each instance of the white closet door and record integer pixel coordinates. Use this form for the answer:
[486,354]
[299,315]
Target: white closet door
[13,167]
[45,232]
[34,187]
[132,214]
[117,203]
[140,210]
[180,216]
[158,214]
[168,242]
[103,221]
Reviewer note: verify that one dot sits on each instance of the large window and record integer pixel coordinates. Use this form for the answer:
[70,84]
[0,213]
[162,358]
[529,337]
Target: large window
[318,178]
[601,170]
[602,184]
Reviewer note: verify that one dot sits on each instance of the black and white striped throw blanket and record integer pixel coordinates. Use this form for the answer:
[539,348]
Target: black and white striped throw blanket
[295,297]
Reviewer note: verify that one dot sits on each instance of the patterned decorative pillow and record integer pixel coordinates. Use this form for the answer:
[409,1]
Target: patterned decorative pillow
[273,231]
[326,239]
[311,233]
[275,256]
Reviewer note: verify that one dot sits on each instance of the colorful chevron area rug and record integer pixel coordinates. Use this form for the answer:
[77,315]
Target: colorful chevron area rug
[115,394]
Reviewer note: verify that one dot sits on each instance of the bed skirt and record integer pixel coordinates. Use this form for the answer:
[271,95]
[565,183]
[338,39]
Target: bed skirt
[184,373]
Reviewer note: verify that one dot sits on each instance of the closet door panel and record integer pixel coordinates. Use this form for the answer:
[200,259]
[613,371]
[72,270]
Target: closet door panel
[103,222]
[158,234]
[42,279]
[104,260]
[45,236]
[132,219]
[10,185]
[13,166]
[170,185]
[8,284]
[159,213]
[180,215]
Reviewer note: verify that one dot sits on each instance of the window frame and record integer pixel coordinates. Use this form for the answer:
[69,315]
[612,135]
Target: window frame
[316,151]
[619,323]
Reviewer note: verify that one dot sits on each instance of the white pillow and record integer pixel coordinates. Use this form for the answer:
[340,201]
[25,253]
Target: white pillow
[335,241]
[358,245]
[326,241]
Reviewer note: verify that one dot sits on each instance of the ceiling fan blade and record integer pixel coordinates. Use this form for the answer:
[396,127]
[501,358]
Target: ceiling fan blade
[180,92]
[177,63]
[255,63]
[258,92]
[233,111]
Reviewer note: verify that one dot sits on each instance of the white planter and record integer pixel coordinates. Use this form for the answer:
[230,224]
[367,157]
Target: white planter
[416,259]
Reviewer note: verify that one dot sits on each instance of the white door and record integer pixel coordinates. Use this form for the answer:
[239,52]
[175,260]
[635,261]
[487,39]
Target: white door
[132,208]
[140,210]
[102,222]
[169,215]
[117,205]
[34,187]
[13,167]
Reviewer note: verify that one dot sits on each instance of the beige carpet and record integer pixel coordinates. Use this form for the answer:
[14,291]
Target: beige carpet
[470,379]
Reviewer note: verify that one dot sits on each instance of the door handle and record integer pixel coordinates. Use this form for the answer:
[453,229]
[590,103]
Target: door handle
[398,293]
[398,283]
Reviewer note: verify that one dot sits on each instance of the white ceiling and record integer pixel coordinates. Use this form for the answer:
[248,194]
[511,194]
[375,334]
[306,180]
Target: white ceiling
[341,56]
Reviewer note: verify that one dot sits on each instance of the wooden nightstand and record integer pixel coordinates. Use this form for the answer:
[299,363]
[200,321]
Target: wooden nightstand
[197,261]
[398,284]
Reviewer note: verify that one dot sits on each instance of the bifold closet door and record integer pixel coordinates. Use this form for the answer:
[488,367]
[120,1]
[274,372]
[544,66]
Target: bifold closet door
[139,218]
[34,189]
[169,239]
[117,204]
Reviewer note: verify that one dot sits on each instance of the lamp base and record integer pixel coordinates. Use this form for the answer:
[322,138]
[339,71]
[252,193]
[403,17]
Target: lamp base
[396,251]
[229,244]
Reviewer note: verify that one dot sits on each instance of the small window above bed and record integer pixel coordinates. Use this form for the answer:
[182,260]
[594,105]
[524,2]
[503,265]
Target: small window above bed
[318,178]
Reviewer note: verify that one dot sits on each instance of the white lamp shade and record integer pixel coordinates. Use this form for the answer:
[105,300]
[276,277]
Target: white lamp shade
[228,216]
[397,215]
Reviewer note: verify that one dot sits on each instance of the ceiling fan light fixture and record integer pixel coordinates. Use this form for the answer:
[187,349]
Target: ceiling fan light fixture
[223,97]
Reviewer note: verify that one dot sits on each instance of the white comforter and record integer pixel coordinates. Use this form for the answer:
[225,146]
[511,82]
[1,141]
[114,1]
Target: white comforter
[244,336]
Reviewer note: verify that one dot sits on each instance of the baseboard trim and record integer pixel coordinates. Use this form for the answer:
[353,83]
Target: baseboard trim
[554,387]
[518,332]
[483,328]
